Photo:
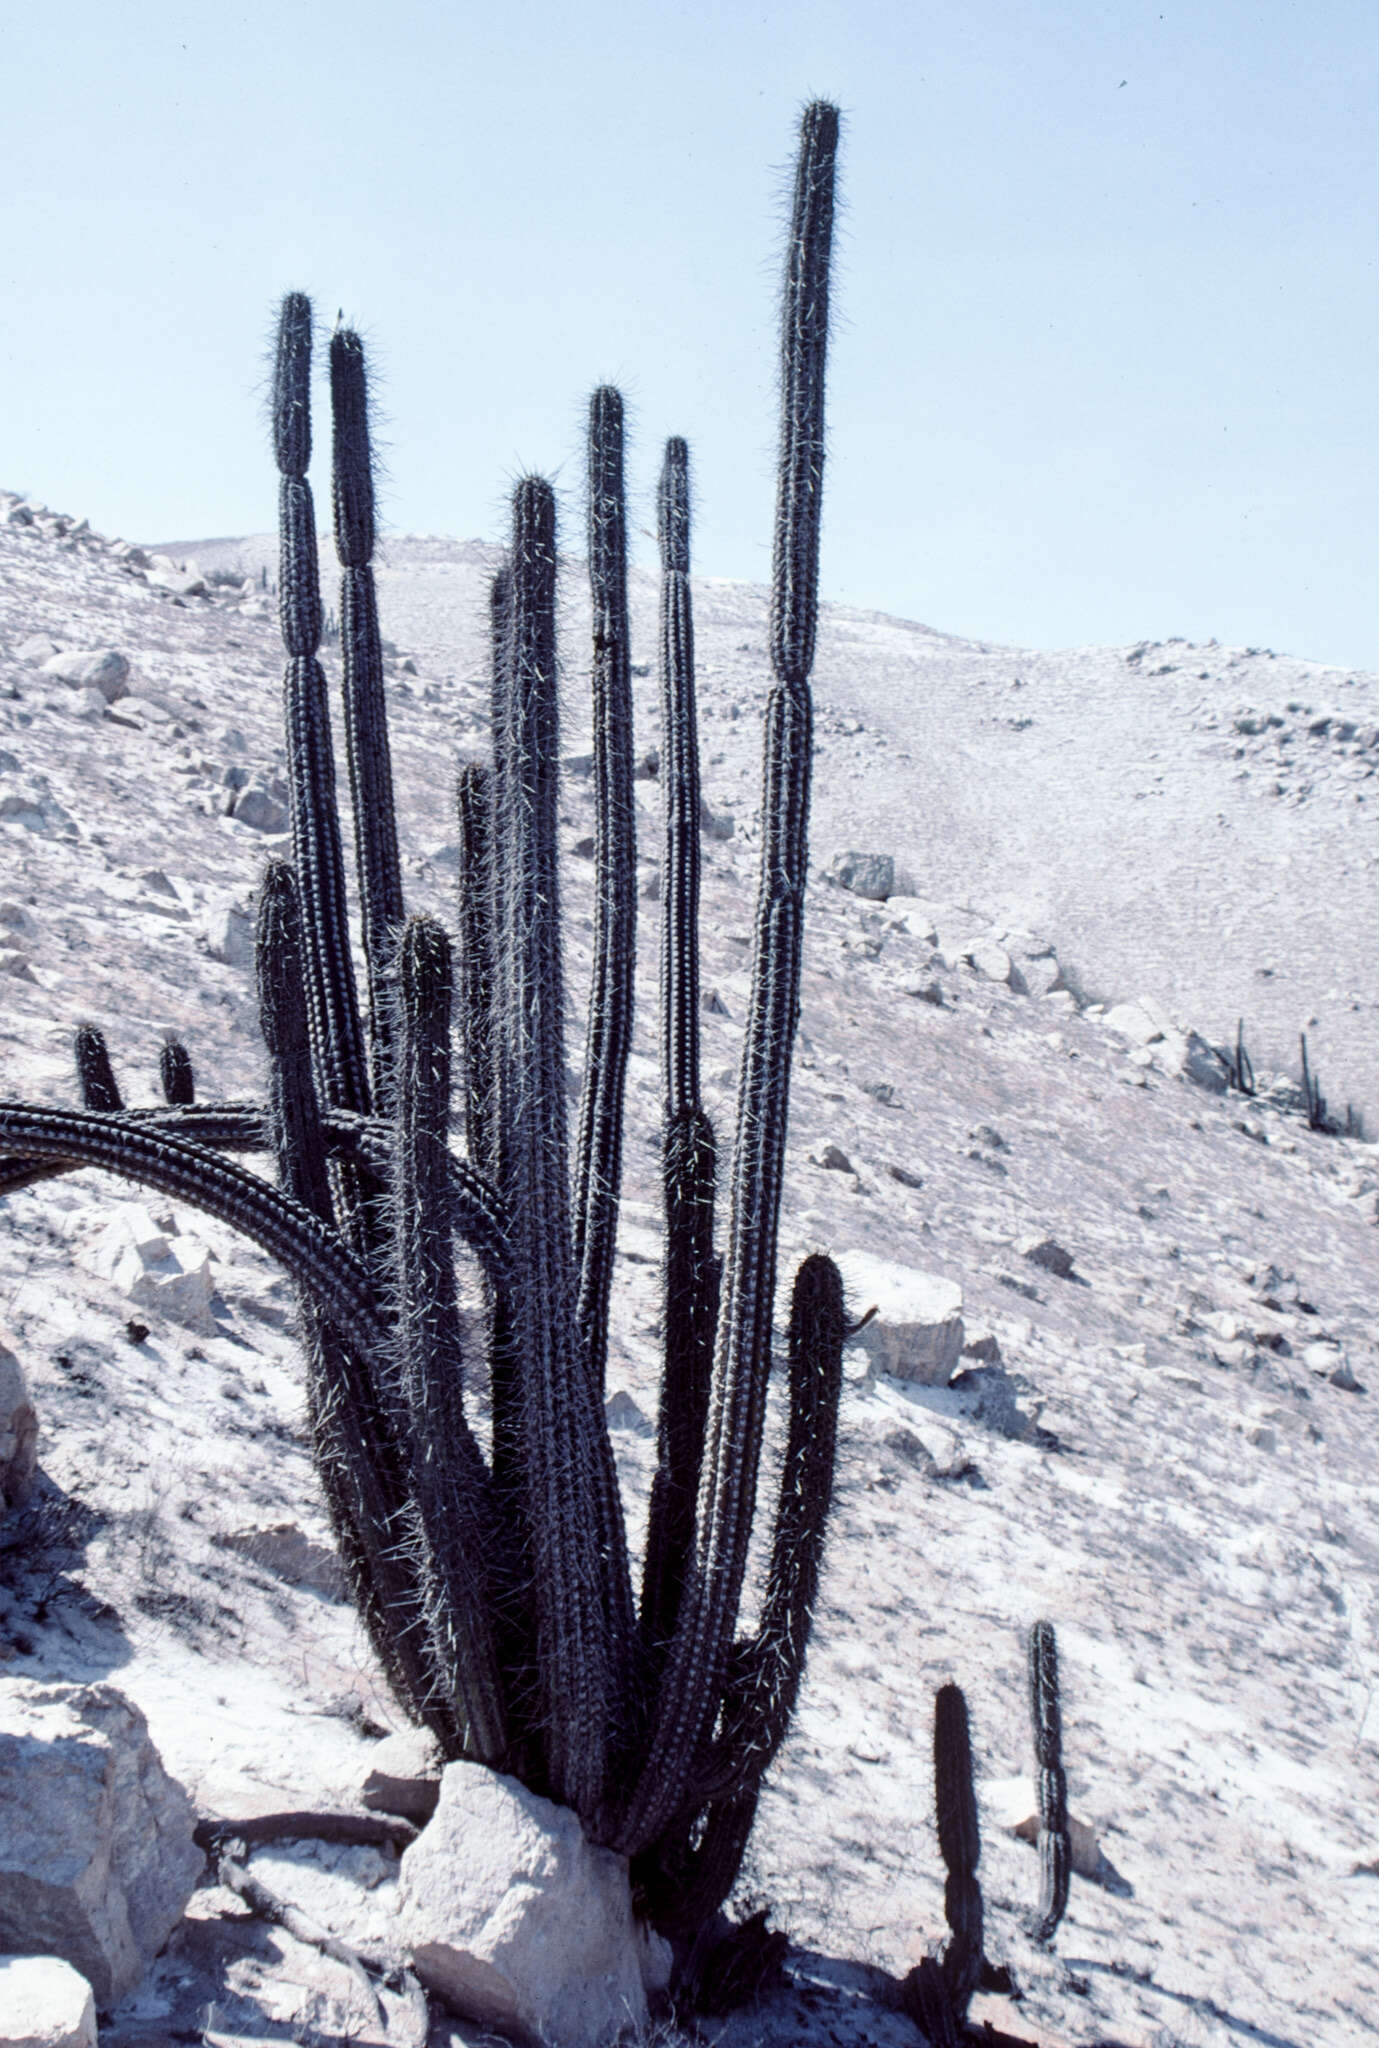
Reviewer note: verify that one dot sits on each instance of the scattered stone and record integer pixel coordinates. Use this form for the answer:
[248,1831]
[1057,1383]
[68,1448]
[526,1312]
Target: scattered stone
[134,1254]
[714,824]
[712,1003]
[165,575]
[904,1176]
[45,2003]
[1035,976]
[97,1860]
[649,766]
[36,650]
[260,809]
[14,918]
[1132,1021]
[984,1349]
[993,962]
[403,1775]
[870,875]
[516,1921]
[621,1412]
[1052,1256]
[916,1333]
[286,1550]
[833,1159]
[883,1092]
[104,669]
[18,1432]
[227,932]
[1016,1809]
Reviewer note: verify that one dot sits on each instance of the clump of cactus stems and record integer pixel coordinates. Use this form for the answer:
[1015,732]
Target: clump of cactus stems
[1240,1072]
[496,1587]
[938,1991]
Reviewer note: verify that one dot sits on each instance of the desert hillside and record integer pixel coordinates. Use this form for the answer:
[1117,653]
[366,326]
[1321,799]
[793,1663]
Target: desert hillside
[1160,1434]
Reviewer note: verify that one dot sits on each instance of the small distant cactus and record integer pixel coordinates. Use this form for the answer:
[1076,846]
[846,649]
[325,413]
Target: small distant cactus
[1055,1848]
[1314,1102]
[1239,1070]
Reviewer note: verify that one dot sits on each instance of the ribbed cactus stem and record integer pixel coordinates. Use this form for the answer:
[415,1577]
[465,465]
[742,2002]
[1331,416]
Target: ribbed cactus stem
[598,1154]
[95,1075]
[765,1672]
[560,1421]
[477,966]
[1055,1848]
[336,1031]
[688,1150]
[366,719]
[354,1426]
[960,1844]
[450,1481]
[697,1662]
[175,1073]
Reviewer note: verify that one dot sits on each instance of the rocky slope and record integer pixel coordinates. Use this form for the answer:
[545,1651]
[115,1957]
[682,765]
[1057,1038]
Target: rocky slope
[1167,1446]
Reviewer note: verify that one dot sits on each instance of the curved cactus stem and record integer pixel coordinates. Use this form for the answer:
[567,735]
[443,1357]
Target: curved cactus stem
[764,1673]
[1055,1848]
[289,1233]
[696,1665]
[366,718]
[688,1152]
[354,1419]
[95,1075]
[960,1844]
[598,1153]
[175,1074]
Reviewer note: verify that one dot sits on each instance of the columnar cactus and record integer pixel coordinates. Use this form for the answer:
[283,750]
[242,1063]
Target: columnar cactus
[1055,1849]
[497,1590]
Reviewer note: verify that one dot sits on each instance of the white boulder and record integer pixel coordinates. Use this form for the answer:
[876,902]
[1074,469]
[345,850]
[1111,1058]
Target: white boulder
[102,668]
[518,1922]
[45,2003]
[134,1253]
[97,1860]
[18,1432]
[916,1333]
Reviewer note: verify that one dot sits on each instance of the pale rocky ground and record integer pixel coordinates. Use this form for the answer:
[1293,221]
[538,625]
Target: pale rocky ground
[1160,1459]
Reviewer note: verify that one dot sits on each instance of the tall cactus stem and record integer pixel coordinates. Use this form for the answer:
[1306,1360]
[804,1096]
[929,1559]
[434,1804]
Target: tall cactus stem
[960,1844]
[366,720]
[1055,1848]
[688,1150]
[598,1153]
[449,1478]
[561,1424]
[336,1031]
[696,1665]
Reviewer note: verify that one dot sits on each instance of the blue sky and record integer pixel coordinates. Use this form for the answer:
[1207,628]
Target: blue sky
[1105,364]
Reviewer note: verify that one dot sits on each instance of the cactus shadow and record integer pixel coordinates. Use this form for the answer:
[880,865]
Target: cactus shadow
[47,1613]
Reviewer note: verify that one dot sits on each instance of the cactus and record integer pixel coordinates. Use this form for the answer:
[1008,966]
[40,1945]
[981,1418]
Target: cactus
[938,1991]
[1055,1851]
[1240,1073]
[1314,1102]
[498,1593]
